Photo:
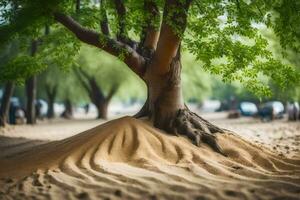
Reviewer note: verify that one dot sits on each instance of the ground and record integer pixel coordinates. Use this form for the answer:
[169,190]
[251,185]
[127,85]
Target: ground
[104,180]
[280,135]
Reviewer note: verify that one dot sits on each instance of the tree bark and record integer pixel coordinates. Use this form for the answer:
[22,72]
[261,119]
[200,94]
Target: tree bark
[166,108]
[102,110]
[31,90]
[31,97]
[5,102]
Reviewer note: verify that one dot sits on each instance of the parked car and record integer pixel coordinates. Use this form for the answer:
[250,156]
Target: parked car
[41,107]
[271,110]
[248,108]
[293,110]
[16,113]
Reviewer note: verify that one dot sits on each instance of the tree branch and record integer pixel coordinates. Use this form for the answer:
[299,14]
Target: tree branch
[172,29]
[104,20]
[113,90]
[83,73]
[150,30]
[121,11]
[97,90]
[134,61]
[122,34]
[83,83]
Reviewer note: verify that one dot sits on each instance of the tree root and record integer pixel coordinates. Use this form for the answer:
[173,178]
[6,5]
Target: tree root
[197,129]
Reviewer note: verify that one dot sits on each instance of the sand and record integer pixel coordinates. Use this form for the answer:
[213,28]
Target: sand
[127,158]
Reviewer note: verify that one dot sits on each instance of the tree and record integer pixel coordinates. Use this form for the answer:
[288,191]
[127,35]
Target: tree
[31,90]
[222,34]
[102,78]
[7,54]
[5,102]
[48,88]
[95,92]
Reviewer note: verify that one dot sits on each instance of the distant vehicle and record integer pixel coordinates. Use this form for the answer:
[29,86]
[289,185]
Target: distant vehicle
[15,101]
[41,107]
[248,108]
[16,113]
[271,110]
[293,110]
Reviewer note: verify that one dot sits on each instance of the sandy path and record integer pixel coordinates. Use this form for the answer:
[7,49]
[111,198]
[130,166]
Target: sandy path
[147,164]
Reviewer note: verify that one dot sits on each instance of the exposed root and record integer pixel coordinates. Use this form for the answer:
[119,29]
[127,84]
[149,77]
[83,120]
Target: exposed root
[197,129]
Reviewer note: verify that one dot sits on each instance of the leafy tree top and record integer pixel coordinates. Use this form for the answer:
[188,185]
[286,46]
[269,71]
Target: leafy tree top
[223,34]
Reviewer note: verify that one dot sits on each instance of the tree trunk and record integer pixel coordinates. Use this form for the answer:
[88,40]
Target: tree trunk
[31,90]
[50,111]
[102,110]
[5,102]
[51,95]
[31,97]
[166,109]
[68,112]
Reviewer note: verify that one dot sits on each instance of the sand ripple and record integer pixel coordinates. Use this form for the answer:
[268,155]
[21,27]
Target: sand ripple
[129,159]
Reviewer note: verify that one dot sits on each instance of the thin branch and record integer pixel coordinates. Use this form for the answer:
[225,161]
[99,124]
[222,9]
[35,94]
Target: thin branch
[84,73]
[82,81]
[134,61]
[172,29]
[150,30]
[113,90]
[97,90]
[121,11]
[122,33]
[104,20]
[77,6]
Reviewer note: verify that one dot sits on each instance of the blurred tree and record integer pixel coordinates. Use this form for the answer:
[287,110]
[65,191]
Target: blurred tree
[95,92]
[287,55]
[5,102]
[48,87]
[102,78]
[224,35]
[7,53]
[31,90]
[196,83]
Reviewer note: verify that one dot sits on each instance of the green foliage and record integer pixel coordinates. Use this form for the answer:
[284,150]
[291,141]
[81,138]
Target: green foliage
[224,35]
[196,82]
[59,48]
[66,83]
[226,38]
[286,23]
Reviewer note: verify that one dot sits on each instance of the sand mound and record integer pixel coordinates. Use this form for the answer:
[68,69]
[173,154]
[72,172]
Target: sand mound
[128,158]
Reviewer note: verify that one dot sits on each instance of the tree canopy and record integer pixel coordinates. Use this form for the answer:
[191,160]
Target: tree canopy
[225,36]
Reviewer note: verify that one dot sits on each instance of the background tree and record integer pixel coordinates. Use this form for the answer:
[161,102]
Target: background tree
[48,87]
[101,78]
[8,53]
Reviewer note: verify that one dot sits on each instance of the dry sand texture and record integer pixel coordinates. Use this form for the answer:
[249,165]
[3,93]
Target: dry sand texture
[129,159]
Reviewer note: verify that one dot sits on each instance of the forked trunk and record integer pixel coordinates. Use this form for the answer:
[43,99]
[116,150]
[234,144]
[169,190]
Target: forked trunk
[166,108]
[5,102]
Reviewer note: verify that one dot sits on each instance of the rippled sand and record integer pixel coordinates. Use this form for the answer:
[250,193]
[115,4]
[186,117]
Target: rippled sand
[129,159]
